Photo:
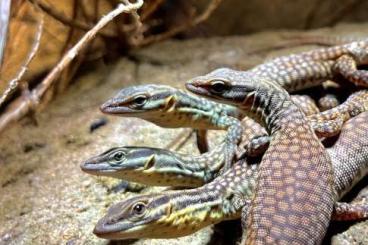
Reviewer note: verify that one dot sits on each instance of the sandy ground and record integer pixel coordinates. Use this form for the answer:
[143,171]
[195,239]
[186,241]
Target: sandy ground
[44,196]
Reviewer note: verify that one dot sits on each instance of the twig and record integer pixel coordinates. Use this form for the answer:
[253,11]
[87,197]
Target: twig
[200,18]
[14,83]
[26,104]
[137,34]
[67,21]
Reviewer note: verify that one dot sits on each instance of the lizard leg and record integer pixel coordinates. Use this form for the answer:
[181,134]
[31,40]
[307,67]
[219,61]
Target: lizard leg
[350,211]
[328,102]
[233,137]
[201,138]
[347,67]
[329,123]
[327,128]
[258,145]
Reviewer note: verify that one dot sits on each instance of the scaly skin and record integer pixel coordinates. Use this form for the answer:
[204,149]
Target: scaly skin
[179,213]
[294,196]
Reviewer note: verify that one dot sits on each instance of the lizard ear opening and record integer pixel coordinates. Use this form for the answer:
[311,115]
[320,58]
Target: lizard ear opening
[169,209]
[150,162]
[249,99]
[169,103]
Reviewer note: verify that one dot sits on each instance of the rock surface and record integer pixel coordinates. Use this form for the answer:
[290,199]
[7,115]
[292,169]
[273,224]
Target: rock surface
[45,198]
[239,17]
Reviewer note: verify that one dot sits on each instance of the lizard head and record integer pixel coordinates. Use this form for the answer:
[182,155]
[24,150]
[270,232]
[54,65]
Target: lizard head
[146,165]
[140,101]
[133,217]
[169,215]
[229,86]
[223,85]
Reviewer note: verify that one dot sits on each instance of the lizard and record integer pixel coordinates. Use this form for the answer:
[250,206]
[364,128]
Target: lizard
[182,212]
[294,198]
[155,166]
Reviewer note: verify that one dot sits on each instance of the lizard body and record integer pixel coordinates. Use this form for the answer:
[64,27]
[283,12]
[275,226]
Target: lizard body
[294,197]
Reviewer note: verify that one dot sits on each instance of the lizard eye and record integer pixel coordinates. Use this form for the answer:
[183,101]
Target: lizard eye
[139,100]
[118,156]
[218,86]
[139,208]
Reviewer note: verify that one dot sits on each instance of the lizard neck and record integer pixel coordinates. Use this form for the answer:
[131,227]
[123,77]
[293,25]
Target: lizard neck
[214,202]
[204,111]
[271,108]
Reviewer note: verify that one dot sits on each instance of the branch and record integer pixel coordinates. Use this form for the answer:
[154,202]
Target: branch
[26,103]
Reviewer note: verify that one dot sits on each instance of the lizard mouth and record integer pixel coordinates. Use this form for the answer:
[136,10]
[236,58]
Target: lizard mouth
[92,168]
[197,89]
[112,107]
[115,231]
